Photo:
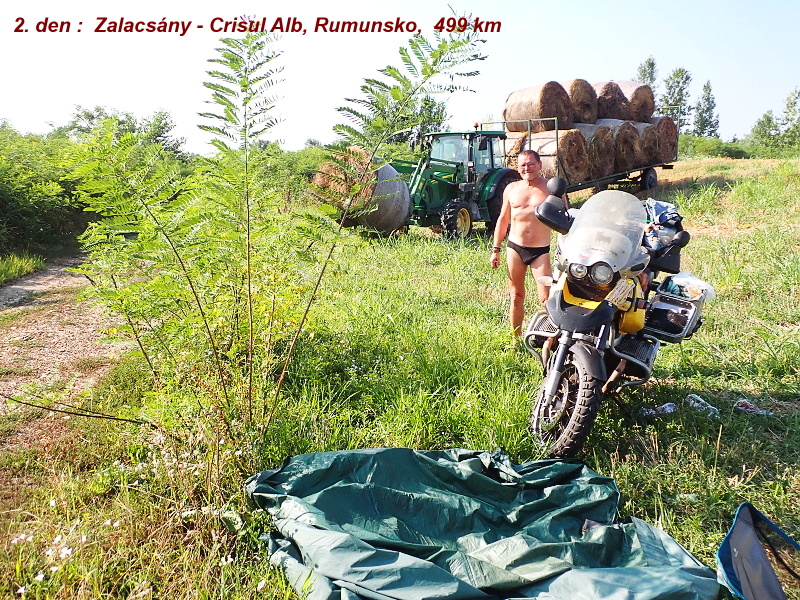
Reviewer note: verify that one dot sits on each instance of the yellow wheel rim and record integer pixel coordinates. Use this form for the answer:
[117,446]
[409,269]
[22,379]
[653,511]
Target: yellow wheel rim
[463,222]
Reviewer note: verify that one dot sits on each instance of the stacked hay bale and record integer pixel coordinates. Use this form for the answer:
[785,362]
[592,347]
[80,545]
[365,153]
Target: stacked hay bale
[613,118]
[546,101]
[626,143]
[649,145]
[583,98]
[566,156]
[641,103]
[667,137]
[611,102]
[600,149]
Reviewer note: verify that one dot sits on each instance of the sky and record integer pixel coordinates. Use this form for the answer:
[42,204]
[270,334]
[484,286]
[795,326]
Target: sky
[750,52]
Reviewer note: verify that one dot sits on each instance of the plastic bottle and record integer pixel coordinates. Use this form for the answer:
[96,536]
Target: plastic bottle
[664,409]
[697,403]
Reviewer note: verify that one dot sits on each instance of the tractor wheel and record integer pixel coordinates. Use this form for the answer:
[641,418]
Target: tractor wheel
[495,203]
[649,179]
[456,220]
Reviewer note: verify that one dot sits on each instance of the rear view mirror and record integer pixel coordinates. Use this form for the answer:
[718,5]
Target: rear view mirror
[557,186]
[551,212]
[681,239]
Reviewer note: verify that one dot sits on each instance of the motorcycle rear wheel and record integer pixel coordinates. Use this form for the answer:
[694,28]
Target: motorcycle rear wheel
[564,422]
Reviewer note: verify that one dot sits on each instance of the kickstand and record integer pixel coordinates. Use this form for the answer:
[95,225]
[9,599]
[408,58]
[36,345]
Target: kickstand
[617,398]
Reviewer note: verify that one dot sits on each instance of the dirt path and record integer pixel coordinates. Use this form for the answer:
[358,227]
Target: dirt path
[49,336]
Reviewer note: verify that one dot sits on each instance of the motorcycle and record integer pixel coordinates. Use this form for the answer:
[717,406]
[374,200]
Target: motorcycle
[607,316]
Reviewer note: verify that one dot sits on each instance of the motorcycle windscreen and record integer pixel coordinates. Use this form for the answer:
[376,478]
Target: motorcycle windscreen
[608,228]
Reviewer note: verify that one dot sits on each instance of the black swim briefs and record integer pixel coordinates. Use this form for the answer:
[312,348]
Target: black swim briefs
[527,254]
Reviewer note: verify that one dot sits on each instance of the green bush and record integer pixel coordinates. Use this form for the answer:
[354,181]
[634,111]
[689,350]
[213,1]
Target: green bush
[692,146]
[36,201]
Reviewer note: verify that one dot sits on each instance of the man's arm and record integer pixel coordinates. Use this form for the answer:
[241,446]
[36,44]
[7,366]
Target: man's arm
[500,229]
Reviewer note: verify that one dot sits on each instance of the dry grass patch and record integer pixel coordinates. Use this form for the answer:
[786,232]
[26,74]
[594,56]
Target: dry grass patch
[713,170]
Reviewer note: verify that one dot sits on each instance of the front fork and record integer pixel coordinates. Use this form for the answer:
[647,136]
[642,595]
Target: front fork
[556,368]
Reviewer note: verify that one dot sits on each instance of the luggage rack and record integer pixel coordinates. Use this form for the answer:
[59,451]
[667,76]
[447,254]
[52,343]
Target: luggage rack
[673,318]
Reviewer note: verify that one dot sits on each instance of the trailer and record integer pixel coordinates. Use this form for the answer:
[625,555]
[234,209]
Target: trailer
[645,176]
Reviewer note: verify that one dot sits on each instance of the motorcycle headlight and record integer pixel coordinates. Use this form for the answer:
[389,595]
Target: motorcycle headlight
[577,271]
[602,273]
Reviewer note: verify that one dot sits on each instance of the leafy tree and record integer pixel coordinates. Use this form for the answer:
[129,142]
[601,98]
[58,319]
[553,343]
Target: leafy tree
[155,129]
[782,133]
[766,131]
[414,118]
[86,120]
[203,268]
[401,106]
[428,115]
[390,109]
[790,122]
[706,123]
[647,72]
[674,103]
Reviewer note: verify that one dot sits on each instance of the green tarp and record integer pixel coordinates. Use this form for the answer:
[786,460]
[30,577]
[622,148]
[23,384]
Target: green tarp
[461,524]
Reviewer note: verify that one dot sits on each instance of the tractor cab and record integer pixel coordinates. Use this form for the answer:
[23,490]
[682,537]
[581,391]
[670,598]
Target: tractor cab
[477,152]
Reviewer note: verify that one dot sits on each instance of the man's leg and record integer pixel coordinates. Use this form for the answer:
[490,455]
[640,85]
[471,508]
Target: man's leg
[516,279]
[541,267]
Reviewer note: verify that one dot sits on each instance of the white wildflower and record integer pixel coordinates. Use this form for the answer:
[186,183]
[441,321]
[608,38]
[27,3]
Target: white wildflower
[261,585]
[39,577]
[65,552]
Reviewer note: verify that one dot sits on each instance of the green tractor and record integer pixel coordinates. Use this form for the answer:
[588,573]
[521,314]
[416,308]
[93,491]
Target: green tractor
[459,182]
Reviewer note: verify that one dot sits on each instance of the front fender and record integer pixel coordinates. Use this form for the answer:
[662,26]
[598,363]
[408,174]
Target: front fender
[593,360]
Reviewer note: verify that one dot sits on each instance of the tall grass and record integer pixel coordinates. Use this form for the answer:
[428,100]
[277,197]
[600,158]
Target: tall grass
[408,345]
[17,264]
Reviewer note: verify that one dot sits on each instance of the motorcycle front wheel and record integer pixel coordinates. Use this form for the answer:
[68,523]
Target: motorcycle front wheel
[564,422]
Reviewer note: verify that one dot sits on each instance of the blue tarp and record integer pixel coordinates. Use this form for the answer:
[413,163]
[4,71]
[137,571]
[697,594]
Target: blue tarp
[464,525]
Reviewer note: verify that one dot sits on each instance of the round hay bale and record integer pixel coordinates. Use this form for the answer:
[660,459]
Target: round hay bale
[335,180]
[583,98]
[649,151]
[626,142]
[600,149]
[641,103]
[566,157]
[667,138]
[611,102]
[549,100]
[391,202]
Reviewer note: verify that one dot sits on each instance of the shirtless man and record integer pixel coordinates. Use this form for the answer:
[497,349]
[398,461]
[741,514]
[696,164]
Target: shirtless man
[528,239]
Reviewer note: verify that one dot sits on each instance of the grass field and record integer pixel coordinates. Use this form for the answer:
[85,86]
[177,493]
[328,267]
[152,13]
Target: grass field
[408,346]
